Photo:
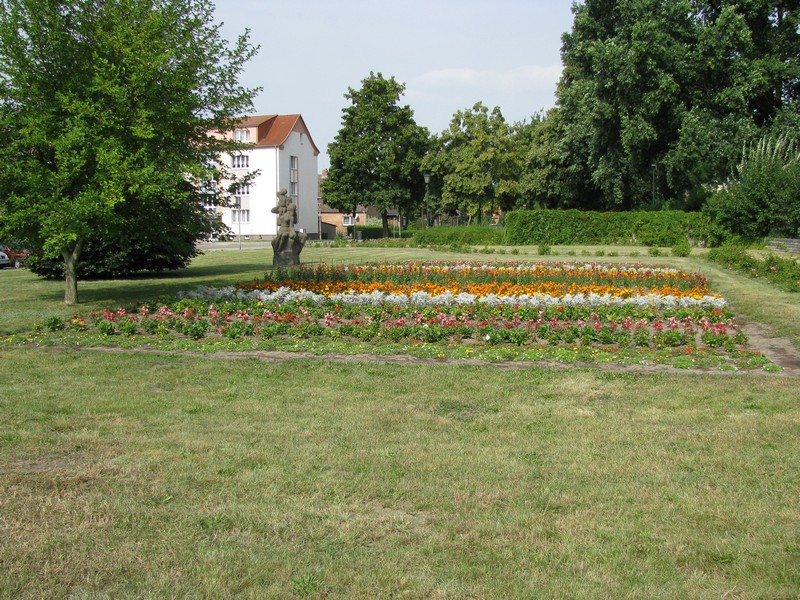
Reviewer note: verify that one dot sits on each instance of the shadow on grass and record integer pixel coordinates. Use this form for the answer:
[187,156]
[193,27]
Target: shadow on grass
[150,286]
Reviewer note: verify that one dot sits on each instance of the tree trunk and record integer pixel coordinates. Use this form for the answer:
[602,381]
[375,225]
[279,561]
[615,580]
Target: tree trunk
[385,223]
[71,273]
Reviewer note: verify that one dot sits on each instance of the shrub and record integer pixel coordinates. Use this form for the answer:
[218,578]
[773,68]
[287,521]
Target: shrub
[462,235]
[764,194]
[544,249]
[682,249]
[784,272]
[570,227]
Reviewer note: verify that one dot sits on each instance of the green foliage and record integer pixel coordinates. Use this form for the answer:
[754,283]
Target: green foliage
[569,227]
[464,235]
[376,154]
[105,113]
[54,323]
[682,249]
[127,254]
[475,165]
[657,97]
[763,196]
[784,272]
[370,232]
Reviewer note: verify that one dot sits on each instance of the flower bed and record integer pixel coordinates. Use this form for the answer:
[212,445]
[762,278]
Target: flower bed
[567,311]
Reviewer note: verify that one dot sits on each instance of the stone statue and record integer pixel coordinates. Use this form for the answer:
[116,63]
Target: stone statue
[288,243]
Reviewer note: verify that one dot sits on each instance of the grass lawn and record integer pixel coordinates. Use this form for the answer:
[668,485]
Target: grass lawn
[136,474]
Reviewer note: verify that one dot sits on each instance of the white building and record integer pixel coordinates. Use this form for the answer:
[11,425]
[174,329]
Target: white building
[285,156]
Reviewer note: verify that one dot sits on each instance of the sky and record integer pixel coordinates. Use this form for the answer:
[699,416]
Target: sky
[450,54]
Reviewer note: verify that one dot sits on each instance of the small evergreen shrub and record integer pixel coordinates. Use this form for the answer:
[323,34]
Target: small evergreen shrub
[682,249]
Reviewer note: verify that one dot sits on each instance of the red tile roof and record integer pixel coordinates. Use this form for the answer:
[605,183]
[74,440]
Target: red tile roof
[274,130]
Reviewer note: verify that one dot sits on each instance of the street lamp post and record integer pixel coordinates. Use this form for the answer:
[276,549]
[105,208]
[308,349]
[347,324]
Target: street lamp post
[239,219]
[427,177]
[654,184]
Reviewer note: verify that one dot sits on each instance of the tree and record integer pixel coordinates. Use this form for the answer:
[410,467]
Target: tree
[105,113]
[621,93]
[375,157]
[666,92]
[547,179]
[763,196]
[476,163]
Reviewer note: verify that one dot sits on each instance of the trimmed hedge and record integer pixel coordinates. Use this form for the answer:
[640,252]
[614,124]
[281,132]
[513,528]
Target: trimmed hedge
[461,235]
[375,232]
[662,228]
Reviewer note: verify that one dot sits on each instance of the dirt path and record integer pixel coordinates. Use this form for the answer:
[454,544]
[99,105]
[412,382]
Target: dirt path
[779,350]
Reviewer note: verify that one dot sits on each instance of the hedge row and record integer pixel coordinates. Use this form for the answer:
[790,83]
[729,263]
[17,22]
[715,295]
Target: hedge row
[461,235]
[375,232]
[662,228]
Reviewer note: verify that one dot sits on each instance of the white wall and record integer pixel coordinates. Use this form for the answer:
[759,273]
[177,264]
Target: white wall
[299,145]
[274,165]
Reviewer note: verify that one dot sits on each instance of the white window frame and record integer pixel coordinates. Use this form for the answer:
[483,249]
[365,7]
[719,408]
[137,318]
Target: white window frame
[294,177]
[240,161]
[240,215]
[241,135]
[242,189]
[348,220]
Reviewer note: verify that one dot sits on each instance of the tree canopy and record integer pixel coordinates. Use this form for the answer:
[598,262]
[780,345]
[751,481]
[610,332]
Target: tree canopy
[375,157]
[658,96]
[476,164]
[105,109]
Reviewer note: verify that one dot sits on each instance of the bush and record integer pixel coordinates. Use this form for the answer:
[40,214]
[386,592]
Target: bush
[462,235]
[682,249]
[784,272]
[764,196]
[575,227]
[375,232]
[120,257]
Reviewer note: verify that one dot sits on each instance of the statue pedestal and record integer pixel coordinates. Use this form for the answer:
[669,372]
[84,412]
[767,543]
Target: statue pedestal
[286,250]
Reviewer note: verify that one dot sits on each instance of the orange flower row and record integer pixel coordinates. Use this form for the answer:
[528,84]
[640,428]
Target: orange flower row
[479,289]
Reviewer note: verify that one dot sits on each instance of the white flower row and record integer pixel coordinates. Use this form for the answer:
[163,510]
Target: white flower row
[285,294]
[601,268]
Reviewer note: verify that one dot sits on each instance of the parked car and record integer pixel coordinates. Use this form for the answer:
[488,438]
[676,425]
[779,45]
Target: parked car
[17,258]
[5,261]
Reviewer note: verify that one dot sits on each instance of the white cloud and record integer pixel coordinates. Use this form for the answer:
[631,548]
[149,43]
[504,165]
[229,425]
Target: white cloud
[524,77]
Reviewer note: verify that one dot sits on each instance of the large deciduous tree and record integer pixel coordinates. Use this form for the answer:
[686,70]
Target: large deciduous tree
[657,97]
[105,109]
[375,157]
[476,164]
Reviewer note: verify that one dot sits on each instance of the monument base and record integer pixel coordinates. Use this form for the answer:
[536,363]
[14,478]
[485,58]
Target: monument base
[286,251]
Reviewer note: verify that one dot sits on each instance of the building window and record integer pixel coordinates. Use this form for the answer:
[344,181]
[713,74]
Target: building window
[241,135]
[241,189]
[240,161]
[240,215]
[349,221]
[208,191]
[294,178]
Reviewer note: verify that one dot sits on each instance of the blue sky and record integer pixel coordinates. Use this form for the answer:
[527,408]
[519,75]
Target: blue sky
[450,54]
